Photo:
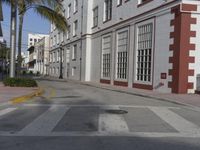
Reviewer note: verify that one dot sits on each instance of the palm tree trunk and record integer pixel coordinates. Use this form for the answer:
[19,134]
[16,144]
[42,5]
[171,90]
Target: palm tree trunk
[21,21]
[13,37]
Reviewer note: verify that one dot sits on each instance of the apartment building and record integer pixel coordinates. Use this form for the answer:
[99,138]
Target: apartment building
[42,55]
[32,59]
[146,44]
[33,39]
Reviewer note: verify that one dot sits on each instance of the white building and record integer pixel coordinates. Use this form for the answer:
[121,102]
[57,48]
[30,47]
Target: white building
[42,53]
[32,53]
[147,44]
[33,38]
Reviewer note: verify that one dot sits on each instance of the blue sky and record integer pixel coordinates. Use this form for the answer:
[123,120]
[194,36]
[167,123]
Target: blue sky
[32,23]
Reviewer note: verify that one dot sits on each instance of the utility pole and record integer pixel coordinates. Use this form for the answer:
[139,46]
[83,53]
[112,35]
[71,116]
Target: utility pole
[61,64]
[13,37]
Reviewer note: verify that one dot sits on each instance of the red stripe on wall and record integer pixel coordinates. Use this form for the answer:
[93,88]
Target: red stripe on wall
[181,48]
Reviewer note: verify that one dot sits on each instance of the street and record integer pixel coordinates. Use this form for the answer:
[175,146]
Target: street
[72,116]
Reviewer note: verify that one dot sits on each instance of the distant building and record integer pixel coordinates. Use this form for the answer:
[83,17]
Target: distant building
[25,59]
[34,38]
[32,53]
[42,55]
[32,59]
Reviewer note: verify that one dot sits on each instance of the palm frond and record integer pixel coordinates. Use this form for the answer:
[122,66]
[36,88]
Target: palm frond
[53,16]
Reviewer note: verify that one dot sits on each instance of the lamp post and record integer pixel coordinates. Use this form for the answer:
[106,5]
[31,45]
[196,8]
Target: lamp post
[61,64]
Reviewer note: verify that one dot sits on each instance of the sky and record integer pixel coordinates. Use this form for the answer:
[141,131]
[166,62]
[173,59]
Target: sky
[32,24]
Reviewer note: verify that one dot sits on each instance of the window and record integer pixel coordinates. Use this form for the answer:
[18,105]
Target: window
[144,52]
[54,56]
[119,2]
[31,39]
[144,1]
[58,38]
[106,57]
[63,12]
[58,56]
[68,55]
[122,55]
[54,40]
[68,32]
[95,17]
[75,27]
[35,40]
[68,10]
[74,52]
[75,6]
[51,42]
[57,70]
[107,10]
[73,71]
[62,37]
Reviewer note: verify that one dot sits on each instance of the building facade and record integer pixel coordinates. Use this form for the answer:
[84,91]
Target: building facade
[32,59]
[33,39]
[42,53]
[147,44]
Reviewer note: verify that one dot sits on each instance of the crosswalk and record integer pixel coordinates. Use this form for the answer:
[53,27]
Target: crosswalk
[55,118]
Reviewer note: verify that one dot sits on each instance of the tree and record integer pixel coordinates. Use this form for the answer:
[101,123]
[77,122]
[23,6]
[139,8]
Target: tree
[48,9]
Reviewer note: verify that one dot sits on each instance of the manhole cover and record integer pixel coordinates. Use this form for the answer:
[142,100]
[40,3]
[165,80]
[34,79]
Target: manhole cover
[111,111]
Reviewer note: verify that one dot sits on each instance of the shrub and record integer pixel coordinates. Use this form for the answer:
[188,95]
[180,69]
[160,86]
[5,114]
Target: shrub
[24,72]
[20,82]
[38,73]
[31,72]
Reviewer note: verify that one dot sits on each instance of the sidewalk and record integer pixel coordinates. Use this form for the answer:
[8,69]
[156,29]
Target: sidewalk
[8,93]
[192,100]
[184,99]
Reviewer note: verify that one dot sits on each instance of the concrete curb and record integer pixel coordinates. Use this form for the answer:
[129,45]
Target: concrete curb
[24,98]
[145,96]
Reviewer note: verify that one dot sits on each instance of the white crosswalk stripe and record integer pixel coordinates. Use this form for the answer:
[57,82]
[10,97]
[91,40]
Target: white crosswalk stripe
[45,123]
[179,123]
[112,122]
[6,111]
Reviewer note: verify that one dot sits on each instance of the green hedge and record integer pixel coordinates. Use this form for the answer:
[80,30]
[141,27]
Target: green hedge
[20,82]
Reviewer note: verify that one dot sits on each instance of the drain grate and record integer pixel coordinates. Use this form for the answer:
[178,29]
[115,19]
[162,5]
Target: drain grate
[118,111]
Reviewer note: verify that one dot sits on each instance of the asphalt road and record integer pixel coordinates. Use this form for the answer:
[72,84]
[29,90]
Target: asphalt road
[70,116]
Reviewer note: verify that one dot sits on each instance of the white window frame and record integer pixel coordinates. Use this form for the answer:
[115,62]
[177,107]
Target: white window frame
[68,54]
[73,71]
[68,32]
[102,52]
[95,16]
[150,21]
[58,56]
[58,38]
[119,2]
[107,13]
[75,6]
[75,27]
[69,7]
[74,52]
[127,50]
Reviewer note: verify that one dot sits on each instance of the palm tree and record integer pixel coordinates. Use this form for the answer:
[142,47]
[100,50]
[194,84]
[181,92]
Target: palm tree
[48,9]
